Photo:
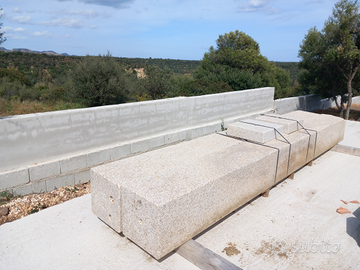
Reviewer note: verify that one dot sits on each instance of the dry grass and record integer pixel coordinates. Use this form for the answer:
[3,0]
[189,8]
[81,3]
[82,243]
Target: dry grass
[16,107]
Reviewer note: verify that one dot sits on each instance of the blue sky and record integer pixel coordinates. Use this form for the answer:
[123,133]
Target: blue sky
[175,29]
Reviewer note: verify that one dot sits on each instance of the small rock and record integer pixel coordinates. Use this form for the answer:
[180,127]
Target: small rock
[4,211]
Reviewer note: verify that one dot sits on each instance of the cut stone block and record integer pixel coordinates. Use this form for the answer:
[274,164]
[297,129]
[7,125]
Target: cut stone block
[254,130]
[289,125]
[163,198]
[330,129]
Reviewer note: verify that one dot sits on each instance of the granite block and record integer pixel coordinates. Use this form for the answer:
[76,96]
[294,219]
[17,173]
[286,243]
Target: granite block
[288,125]
[254,130]
[165,202]
[330,129]
[163,198]
[106,200]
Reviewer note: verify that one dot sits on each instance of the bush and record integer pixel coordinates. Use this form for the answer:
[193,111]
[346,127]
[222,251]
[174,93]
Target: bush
[100,80]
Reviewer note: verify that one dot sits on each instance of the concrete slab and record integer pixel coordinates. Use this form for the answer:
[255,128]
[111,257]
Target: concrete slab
[69,236]
[352,134]
[297,226]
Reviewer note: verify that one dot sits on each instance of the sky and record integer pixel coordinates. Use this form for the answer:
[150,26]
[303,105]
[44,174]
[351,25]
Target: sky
[174,29]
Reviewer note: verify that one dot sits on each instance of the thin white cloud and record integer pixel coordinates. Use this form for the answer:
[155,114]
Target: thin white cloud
[11,29]
[118,4]
[66,22]
[22,19]
[17,10]
[85,13]
[258,6]
[47,34]
[41,34]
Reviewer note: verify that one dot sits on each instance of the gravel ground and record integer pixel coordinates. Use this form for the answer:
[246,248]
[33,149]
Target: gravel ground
[12,208]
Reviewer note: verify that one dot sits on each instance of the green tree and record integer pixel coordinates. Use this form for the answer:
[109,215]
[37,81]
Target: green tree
[237,61]
[157,82]
[331,57]
[100,80]
[2,38]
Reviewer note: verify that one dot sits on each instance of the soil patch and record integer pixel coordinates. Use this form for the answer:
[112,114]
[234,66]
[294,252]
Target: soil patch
[354,112]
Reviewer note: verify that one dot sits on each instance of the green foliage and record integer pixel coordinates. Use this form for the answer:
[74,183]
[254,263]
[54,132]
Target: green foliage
[237,62]
[204,87]
[100,80]
[331,57]
[13,75]
[2,38]
[5,196]
[157,81]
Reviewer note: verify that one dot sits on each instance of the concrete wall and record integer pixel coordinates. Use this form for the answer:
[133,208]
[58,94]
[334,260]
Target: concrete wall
[41,152]
[44,151]
[305,103]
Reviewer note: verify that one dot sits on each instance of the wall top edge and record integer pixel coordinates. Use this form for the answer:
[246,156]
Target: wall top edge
[107,107]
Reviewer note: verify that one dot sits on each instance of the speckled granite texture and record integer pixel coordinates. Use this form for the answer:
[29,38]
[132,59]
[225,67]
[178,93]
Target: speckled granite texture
[163,198]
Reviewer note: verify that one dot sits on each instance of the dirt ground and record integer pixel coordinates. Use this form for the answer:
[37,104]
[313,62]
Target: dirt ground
[354,112]
[12,208]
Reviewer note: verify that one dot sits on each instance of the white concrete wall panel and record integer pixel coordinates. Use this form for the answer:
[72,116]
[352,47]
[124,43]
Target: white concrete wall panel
[43,137]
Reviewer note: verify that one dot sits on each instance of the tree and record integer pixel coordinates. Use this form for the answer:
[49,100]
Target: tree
[237,61]
[331,57]
[2,38]
[157,82]
[100,80]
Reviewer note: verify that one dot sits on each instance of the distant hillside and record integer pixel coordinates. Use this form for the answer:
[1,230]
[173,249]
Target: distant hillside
[31,51]
[31,62]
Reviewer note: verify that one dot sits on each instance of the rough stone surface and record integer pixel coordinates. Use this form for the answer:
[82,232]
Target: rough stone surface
[163,198]
[330,129]
[215,176]
[254,130]
[288,125]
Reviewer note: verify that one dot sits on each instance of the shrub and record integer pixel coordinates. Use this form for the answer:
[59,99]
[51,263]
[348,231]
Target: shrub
[100,80]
